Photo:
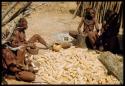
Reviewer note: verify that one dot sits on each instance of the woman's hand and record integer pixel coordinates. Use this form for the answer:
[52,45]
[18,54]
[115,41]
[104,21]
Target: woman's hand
[31,45]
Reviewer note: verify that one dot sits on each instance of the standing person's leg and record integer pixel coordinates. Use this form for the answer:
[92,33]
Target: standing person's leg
[38,38]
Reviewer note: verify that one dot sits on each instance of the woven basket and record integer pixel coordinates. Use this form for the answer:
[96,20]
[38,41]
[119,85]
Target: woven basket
[56,47]
[65,45]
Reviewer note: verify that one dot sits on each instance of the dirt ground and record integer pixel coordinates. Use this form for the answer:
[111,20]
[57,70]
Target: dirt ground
[48,20]
[51,19]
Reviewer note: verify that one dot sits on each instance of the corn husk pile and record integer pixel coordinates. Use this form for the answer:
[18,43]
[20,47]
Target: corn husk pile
[72,66]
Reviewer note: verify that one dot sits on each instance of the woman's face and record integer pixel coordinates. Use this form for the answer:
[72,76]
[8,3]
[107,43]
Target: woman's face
[23,24]
[92,12]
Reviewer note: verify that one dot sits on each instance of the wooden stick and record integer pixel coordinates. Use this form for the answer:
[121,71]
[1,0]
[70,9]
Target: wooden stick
[119,6]
[121,14]
[8,10]
[115,6]
[95,6]
[74,15]
[108,5]
[16,14]
[99,5]
[83,9]
[105,9]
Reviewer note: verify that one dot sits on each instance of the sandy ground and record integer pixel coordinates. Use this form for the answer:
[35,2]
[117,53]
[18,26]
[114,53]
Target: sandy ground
[48,20]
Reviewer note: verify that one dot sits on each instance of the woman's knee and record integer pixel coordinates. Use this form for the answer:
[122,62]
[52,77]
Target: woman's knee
[26,76]
[36,36]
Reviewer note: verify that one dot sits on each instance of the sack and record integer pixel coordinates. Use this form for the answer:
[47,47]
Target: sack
[25,76]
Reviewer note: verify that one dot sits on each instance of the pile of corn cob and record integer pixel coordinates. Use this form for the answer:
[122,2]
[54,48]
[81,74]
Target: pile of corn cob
[72,66]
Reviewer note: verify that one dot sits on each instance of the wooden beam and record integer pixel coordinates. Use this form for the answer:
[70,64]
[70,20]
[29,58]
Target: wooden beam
[9,9]
[16,14]
[74,15]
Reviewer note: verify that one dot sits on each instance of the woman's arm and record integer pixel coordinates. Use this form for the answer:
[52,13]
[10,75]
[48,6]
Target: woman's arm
[96,25]
[20,38]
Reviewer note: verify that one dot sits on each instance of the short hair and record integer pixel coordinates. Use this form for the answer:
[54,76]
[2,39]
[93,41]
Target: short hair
[90,8]
[20,21]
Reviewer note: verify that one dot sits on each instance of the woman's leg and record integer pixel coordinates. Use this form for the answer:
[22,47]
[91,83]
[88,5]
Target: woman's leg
[21,56]
[92,37]
[38,38]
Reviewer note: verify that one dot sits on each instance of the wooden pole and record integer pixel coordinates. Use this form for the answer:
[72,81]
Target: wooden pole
[9,9]
[95,6]
[74,15]
[99,11]
[119,6]
[115,6]
[106,5]
[121,14]
[83,9]
[16,14]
